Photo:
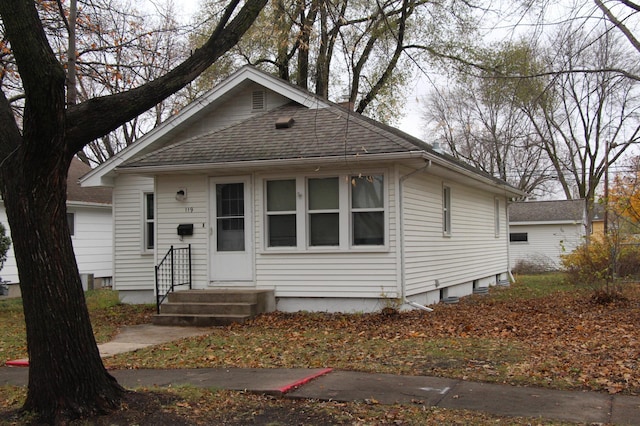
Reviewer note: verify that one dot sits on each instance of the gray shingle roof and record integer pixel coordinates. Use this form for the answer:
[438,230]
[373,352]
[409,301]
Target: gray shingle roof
[75,192]
[547,211]
[315,133]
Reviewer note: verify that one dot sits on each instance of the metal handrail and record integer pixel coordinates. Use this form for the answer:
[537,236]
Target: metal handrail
[174,270]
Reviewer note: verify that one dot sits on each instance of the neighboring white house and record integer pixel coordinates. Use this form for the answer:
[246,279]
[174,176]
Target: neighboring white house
[290,192]
[541,231]
[89,218]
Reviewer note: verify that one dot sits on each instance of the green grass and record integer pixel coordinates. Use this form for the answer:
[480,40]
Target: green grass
[107,314]
[13,340]
[534,286]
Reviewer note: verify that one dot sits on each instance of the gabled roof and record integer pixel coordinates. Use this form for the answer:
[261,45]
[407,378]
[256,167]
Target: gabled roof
[78,194]
[552,211]
[101,175]
[306,134]
[311,129]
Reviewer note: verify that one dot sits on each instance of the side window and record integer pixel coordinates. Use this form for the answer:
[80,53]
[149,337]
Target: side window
[71,222]
[446,210]
[149,221]
[497,216]
[519,237]
[367,210]
[281,213]
[324,211]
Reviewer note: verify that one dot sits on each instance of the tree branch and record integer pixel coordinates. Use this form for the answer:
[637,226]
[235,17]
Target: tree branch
[96,117]
[615,21]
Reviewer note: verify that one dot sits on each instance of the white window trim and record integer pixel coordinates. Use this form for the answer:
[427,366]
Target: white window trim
[497,221]
[302,214]
[144,221]
[384,209]
[267,214]
[446,210]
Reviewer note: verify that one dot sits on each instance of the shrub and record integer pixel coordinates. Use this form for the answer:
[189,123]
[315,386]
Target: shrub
[603,264]
[5,243]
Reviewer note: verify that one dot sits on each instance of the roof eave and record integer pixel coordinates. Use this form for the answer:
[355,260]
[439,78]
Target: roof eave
[503,187]
[103,174]
[257,164]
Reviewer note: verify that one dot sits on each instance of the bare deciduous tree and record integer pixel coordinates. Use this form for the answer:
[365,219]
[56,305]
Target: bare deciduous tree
[66,375]
[481,121]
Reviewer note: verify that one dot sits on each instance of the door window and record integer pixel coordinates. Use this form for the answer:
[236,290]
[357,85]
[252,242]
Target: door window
[230,216]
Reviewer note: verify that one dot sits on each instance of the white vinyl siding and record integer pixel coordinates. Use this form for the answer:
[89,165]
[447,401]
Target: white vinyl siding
[345,271]
[233,110]
[92,242]
[545,242]
[9,271]
[434,260]
[193,210]
[133,268]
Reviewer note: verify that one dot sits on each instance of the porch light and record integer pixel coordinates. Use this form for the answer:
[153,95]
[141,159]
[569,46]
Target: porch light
[181,195]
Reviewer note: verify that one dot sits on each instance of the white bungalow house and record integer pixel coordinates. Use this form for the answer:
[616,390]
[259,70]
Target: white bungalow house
[540,232]
[274,188]
[89,219]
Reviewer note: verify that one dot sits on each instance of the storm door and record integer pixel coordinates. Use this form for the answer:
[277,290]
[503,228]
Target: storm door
[231,243]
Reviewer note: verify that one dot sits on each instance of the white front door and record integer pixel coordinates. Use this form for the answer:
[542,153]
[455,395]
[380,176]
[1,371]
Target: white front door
[231,242]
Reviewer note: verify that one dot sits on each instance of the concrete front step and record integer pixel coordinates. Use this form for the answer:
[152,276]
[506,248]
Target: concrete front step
[194,320]
[249,309]
[213,307]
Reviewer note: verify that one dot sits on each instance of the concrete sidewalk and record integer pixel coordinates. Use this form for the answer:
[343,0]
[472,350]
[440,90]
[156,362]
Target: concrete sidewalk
[327,384]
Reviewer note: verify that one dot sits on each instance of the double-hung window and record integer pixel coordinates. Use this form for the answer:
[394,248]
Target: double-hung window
[281,213]
[333,212]
[497,216]
[324,211]
[149,222]
[446,210]
[367,210]
[71,222]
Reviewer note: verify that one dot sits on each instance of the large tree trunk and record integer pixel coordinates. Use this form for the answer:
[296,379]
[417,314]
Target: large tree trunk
[66,376]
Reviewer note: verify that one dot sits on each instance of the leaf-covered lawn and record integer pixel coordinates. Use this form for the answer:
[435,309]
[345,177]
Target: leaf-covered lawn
[557,339]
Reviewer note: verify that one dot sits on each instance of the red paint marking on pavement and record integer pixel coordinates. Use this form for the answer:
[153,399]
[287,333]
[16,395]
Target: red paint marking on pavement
[18,363]
[287,388]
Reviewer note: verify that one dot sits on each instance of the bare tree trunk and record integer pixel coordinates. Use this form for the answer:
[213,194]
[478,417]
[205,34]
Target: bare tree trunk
[66,376]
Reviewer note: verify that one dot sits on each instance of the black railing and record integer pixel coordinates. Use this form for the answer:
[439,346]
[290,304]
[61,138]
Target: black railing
[173,271]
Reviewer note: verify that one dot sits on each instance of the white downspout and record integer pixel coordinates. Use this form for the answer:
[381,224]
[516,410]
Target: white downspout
[403,291]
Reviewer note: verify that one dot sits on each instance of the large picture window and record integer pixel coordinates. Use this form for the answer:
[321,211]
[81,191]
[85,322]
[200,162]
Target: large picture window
[331,211]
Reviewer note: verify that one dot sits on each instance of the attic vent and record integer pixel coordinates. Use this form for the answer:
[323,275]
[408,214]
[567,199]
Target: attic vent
[258,100]
[284,122]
